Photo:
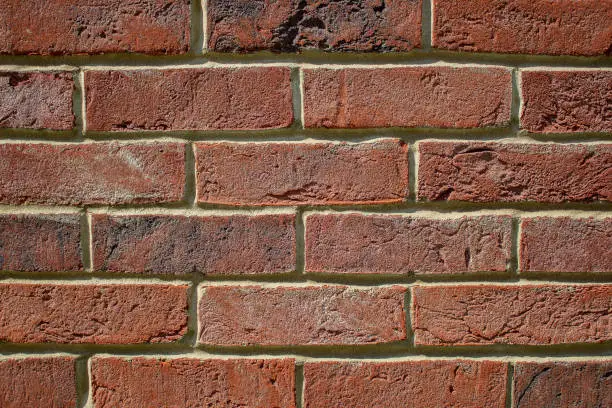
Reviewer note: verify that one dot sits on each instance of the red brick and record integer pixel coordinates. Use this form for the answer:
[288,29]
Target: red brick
[527,315]
[291,25]
[417,384]
[560,27]
[566,101]
[563,384]
[146,382]
[236,244]
[357,243]
[332,315]
[189,99]
[98,314]
[59,27]
[565,244]
[91,173]
[511,172]
[426,96]
[302,173]
[40,243]
[41,382]
[36,100]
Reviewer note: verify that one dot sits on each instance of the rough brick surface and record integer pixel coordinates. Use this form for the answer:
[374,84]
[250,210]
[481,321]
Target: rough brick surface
[59,27]
[40,243]
[302,173]
[91,173]
[560,27]
[244,315]
[85,313]
[418,384]
[565,244]
[145,382]
[479,171]
[236,244]
[356,243]
[528,315]
[563,384]
[329,25]
[189,99]
[36,100]
[566,101]
[39,382]
[426,96]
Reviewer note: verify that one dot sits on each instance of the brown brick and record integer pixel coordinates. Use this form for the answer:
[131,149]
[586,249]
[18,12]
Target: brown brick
[357,243]
[566,101]
[560,27]
[426,96]
[417,384]
[236,244]
[511,314]
[511,172]
[91,173]
[40,243]
[332,315]
[565,244]
[36,100]
[98,314]
[329,25]
[58,27]
[302,173]
[146,382]
[563,384]
[41,382]
[189,99]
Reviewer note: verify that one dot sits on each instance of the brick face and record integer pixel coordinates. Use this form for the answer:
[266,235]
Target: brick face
[291,25]
[562,27]
[36,100]
[184,382]
[42,382]
[189,99]
[422,384]
[222,245]
[422,96]
[246,315]
[59,27]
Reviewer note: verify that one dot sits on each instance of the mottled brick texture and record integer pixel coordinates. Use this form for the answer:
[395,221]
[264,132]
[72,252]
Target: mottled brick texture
[182,382]
[329,25]
[42,382]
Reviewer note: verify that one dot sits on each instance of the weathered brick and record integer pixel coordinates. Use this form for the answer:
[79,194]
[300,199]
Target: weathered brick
[91,173]
[560,27]
[485,172]
[329,25]
[189,99]
[426,96]
[562,384]
[40,243]
[245,315]
[236,244]
[566,101]
[182,382]
[357,243]
[418,384]
[566,244]
[302,173]
[88,313]
[41,382]
[58,27]
[527,315]
[36,100]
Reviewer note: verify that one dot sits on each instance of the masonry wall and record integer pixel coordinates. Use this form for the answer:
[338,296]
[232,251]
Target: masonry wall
[257,203]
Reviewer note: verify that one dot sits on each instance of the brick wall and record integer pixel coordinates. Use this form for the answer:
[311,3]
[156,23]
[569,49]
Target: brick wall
[300,203]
